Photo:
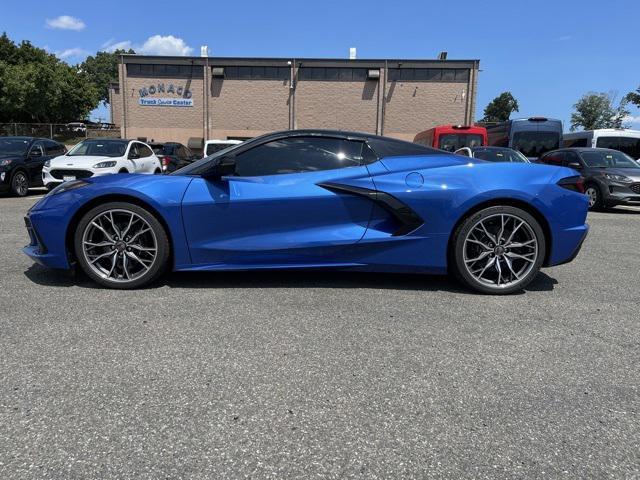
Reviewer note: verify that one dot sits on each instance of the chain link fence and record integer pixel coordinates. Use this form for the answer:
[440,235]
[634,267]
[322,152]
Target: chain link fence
[69,133]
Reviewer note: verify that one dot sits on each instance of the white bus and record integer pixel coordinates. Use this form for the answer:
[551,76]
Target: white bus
[627,141]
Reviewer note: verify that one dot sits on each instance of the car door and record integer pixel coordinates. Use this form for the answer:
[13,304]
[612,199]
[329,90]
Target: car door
[134,156]
[274,212]
[35,161]
[147,157]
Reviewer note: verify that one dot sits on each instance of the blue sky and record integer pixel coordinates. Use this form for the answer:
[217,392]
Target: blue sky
[547,53]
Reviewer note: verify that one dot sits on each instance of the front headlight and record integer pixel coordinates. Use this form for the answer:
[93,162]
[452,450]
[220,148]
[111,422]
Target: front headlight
[47,163]
[617,178]
[67,186]
[5,162]
[108,164]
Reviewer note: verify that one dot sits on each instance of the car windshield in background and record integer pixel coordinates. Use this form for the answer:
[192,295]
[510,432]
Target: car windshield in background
[13,146]
[162,149]
[534,144]
[215,147]
[599,159]
[99,148]
[453,141]
[499,155]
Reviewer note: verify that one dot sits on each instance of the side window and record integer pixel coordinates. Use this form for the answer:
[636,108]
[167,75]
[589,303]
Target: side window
[187,152]
[554,158]
[51,148]
[182,152]
[299,154]
[37,149]
[133,151]
[570,157]
[144,151]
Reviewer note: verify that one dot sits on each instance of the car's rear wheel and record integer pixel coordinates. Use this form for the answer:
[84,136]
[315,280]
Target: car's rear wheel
[498,250]
[20,184]
[121,245]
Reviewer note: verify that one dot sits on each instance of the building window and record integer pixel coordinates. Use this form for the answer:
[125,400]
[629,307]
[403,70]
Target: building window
[163,70]
[333,74]
[429,74]
[257,73]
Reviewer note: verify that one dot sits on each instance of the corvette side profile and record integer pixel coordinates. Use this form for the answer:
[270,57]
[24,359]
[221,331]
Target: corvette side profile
[318,199]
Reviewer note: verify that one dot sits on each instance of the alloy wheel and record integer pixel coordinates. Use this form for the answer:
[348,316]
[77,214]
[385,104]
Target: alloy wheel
[21,184]
[593,196]
[119,245]
[500,250]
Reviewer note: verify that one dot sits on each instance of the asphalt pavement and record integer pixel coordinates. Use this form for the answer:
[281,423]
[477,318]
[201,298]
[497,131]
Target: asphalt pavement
[322,374]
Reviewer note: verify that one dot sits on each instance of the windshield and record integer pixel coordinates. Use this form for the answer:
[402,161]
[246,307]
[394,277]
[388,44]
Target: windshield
[13,146]
[608,159]
[499,155]
[99,148]
[628,145]
[453,141]
[534,144]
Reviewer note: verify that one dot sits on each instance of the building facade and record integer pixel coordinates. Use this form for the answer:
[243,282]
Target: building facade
[182,98]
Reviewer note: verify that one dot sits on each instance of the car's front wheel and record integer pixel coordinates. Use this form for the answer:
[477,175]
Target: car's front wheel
[121,245]
[595,197]
[20,184]
[498,250]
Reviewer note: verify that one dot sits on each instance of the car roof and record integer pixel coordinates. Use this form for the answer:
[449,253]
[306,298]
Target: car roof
[585,149]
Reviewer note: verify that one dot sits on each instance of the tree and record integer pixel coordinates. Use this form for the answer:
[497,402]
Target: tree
[500,108]
[597,110]
[35,86]
[634,97]
[103,70]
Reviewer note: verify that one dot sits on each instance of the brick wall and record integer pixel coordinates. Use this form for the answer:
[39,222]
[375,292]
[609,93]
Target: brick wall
[337,105]
[244,108]
[412,107]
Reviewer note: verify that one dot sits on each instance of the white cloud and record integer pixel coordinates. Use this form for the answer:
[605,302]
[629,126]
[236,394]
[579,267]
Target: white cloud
[76,52]
[167,45]
[632,120]
[154,45]
[66,22]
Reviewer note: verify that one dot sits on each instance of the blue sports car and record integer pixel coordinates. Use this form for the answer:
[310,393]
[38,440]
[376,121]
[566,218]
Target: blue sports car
[318,199]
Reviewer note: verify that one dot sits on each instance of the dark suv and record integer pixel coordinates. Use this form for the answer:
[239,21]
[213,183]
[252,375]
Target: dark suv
[21,161]
[172,155]
[610,177]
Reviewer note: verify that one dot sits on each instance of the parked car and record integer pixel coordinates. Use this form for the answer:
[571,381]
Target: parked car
[101,156]
[452,137]
[318,199]
[76,127]
[213,146]
[172,155]
[610,177]
[21,162]
[532,136]
[624,140]
[493,154]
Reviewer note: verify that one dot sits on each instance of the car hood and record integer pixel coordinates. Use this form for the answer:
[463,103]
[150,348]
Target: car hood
[10,156]
[79,161]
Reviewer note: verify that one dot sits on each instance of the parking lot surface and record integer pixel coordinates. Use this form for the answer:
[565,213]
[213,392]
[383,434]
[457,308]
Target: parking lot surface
[322,374]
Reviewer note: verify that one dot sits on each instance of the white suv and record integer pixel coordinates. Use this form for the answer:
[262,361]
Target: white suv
[93,157]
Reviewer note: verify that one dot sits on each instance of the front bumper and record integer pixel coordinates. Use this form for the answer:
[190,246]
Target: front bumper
[46,242]
[616,193]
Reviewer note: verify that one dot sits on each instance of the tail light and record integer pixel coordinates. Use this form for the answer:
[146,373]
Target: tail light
[575,183]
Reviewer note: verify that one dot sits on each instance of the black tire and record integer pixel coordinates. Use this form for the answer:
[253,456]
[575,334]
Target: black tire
[595,196]
[157,172]
[20,184]
[155,269]
[530,267]
[123,170]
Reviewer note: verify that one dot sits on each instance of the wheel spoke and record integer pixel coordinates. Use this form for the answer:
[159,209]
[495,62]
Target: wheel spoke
[99,227]
[509,263]
[499,270]
[484,229]
[126,230]
[521,257]
[479,257]
[102,255]
[140,232]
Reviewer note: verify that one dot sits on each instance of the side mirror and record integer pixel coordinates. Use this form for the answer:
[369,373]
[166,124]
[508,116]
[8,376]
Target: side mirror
[36,152]
[224,167]
[574,165]
[134,156]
